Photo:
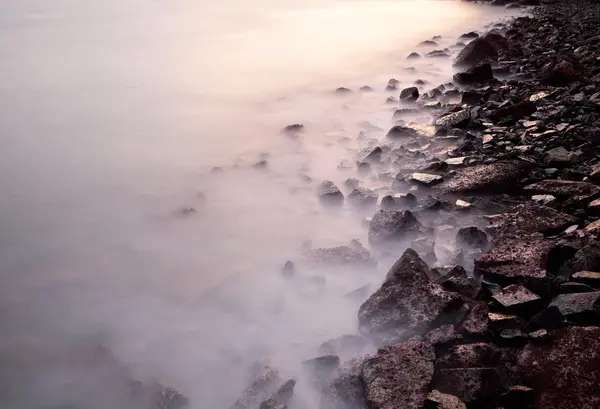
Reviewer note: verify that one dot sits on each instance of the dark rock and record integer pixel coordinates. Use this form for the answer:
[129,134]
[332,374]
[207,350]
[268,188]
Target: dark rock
[471,35]
[371,155]
[478,74]
[517,299]
[560,74]
[293,129]
[363,197]
[471,238]
[476,323]
[407,303]
[458,119]
[566,189]
[321,369]
[587,277]
[352,183]
[587,259]
[392,85]
[438,400]
[364,168]
[428,43]
[443,335]
[564,371]
[271,403]
[349,344]
[352,254]
[491,178]
[409,94]
[346,389]
[398,376]
[477,51]
[531,218]
[329,193]
[343,90]
[516,111]
[478,355]
[264,382]
[365,88]
[413,56]
[559,157]
[471,385]
[581,308]
[399,131]
[391,225]
[472,97]
[549,319]
[497,40]
[438,54]
[288,269]
[500,322]
[518,397]
[570,288]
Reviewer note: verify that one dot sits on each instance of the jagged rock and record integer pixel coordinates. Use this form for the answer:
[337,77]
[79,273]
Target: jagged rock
[523,257]
[443,335]
[271,403]
[438,400]
[426,179]
[476,323]
[410,94]
[560,74]
[582,308]
[475,52]
[454,120]
[566,189]
[559,157]
[564,371]
[587,277]
[392,225]
[530,218]
[471,238]
[264,382]
[352,183]
[399,131]
[352,254]
[593,228]
[478,355]
[516,111]
[517,299]
[371,155]
[321,369]
[346,388]
[285,392]
[329,193]
[587,259]
[398,376]
[407,303]
[471,385]
[500,322]
[491,178]
[549,319]
[475,75]
[363,197]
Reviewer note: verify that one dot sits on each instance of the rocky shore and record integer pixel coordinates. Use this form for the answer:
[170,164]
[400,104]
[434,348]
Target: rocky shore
[508,315]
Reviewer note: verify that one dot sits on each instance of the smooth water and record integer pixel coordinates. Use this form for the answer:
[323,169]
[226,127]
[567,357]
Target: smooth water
[113,114]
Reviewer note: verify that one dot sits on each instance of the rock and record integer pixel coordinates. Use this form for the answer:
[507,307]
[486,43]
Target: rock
[471,385]
[496,39]
[530,218]
[565,189]
[581,308]
[427,43]
[392,85]
[472,97]
[516,258]
[370,155]
[593,228]
[471,35]
[413,56]
[462,205]
[517,299]
[398,376]
[353,254]
[543,199]
[516,111]
[346,389]
[352,183]
[587,259]
[559,157]
[438,54]
[594,207]
[409,94]
[329,193]
[587,277]
[343,90]
[438,400]
[407,303]
[321,369]
[564,371]
[346,344]
[549,319]
[518,396]
[491,178]
[442,335]
[426,179]
[271,403]
[288,270]
[285,392]
[399,131]
[363,197]
[293,129]
[168,398]
[365,88]
[569,288]
[454,120]
[264,383]
[477,51]
[391,225]
[477,355]
[405,200]
[476,323]
[471,238]
[560,74]
[478,74]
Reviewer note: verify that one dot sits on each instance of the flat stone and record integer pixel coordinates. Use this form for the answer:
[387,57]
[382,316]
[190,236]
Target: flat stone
[490,178]
[593,228]
[398,376]
[568,189]
[579,307]
[538,96]
[454,120]
[426,179]
[530,217]
[462,205]
[587,277]
[352,254]
[516,298]
[456,161]
[559,157]
[570,287]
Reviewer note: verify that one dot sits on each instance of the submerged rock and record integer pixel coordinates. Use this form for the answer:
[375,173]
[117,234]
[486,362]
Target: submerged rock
[454,120]
[353,254]
[409,94]
[263,384]
[438,400]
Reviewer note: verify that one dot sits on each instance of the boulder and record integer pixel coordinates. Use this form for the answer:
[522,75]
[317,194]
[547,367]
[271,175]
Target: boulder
[329,193]
[497,40]
[443,335]
[559,157]
[477,51]
[471,385]
[399,131]
[458,119]
[353,345]
[581,308]
[476,323]
[478,74]
[371,155]
[530,217]
[362,197]
[587,258]
[439,400]
[574,191]
[518,396]
[321,369]
[413,56]
[293,129]
[564,371]
[398,376]
[471,35]
[345,390]
[409,94]
[407,303]
[392,226]
[471,238]
[490,178]
[477,355]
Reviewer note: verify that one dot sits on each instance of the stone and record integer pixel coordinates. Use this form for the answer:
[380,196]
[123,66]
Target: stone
[530,217]
[565,370]
[406,200]
[370,155]
[365,88]
[352,183]
[426,179]
[363,197]
[264,382]
[478,74]
[566,189]
[582,308]
[399,131]
[518,396]
[548,319]
[293,129]
[570,287]
[398,376]
[477,355]
[392,226]
[321,369]
[516,258]
[345,390]
[288,270]
[346,344]
[560,74]
[516,111]
[285,392]
[353,254]
[409,94]
[454,120]
[559,157]
[477,51]
[462,205]
[439,400]
[407,303]
[329,193]
[471,35]
[500,322]
[587,258]
[489,178]
[476,323]
[470,385]
[438,54]
[587,277]
[413,56]
[517,299]
[593,228]
[543,199]
[271,403]
[443,335]
[471,238]
[343,90]
[594,207]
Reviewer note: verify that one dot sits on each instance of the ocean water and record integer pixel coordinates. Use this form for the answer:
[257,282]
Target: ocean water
[115,228]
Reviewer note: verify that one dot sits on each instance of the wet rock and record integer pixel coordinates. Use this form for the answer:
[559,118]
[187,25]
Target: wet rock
[566,189]
[496,39]
[531,218]
[477,355]
[363,197]
[346,388]
[523,257]
[454,120]
[471,238]
[392,85]
[581,308]
[491,178]
[478,74]
[407,303]
[264,382]
[343,90]
[438,400]
[410,94]
[517,299]
[365,88]
[564,371]
[271,403]
[570,287]
[587,277]
[587,259]
[471,385]
[516,111]
[472,97]
[560,74]
[353,254]
[321,369]
[398,376]
[391,225]
[329,193]
[438,54]
[413,56]
[428,43]
[471,35]
[426,179]
[477,51]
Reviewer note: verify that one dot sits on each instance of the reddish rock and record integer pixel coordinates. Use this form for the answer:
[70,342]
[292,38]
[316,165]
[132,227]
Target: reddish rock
[531,217]
[439,400]
[477,321]
[471,385]
[479,355]
[491,178]
[346,389]
[566,189]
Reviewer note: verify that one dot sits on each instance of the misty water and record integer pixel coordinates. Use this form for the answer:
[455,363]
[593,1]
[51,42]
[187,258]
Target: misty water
[113,116]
